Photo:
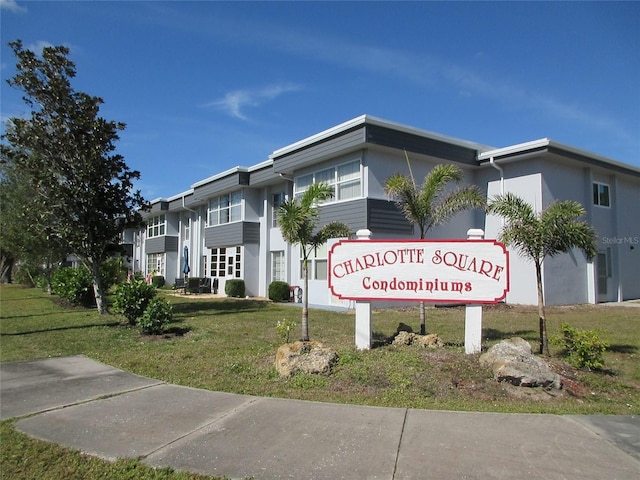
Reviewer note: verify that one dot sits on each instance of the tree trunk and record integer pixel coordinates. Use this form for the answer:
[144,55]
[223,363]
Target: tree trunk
[101,304]
[423,322]
[544,342]
[305,302]
[6,266]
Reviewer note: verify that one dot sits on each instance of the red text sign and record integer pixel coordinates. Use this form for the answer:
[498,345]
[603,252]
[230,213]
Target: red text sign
[464,271]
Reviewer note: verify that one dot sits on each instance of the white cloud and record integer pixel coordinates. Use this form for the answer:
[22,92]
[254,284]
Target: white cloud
[236,101]
[38,46]
[12,6]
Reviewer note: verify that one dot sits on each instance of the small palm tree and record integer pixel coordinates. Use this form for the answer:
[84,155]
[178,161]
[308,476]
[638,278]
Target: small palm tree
[554,230]
[298,219]
[428,205]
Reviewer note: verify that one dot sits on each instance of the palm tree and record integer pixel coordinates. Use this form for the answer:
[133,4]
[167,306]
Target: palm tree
[298,218]
[429,205]
[554,230]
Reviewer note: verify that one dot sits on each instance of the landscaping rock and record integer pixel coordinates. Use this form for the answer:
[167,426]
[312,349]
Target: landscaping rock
[404,338]
[512,361]
[429,341]
[409,338]
[305,357]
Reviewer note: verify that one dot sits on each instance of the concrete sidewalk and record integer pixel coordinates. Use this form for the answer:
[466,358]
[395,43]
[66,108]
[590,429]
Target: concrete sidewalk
[103,411]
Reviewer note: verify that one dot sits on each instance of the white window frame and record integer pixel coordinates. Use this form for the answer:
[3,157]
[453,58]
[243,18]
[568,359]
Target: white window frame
[316,263]
[278,266]
[277,199]
[157,226]
[226,262]
[156,263]
[187,230]
[599,190]
[332,177]
[348,180]
[225,209]
[218,261]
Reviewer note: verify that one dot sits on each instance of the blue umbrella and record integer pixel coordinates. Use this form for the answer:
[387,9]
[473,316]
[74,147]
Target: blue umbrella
[185,266]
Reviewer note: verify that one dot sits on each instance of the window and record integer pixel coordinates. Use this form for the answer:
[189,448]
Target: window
[277,266]
[348,181]
[218,262]
[277,199]
[603,263]
[225,209]
[156,226]
[601,194]
[226,262]
[317,263]
[345,180]
[155,264]
[302,184]
[187,230]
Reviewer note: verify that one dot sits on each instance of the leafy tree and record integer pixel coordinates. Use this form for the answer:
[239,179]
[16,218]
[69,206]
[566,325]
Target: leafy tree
[66,150]
[298,220]
[432,203]
[25,229]
[536,236]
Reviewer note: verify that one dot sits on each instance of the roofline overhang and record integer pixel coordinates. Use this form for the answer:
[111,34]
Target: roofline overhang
[363,120]
[226,173]
[546,144]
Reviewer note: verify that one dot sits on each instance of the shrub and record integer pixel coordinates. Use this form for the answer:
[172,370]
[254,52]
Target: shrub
[234,288]
[132,299]
[284,329]
[583,348]
[279,291]
[112,272]
[157,281]
[29,275]
[74,285]
[156,316]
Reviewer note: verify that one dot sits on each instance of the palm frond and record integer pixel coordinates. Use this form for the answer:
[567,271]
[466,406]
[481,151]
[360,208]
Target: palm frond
[564,230]
[461,199]
[331,230]
[556,230]
[316,193]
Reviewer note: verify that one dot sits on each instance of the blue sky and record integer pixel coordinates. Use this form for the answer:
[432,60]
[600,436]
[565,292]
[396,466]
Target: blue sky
[205,86]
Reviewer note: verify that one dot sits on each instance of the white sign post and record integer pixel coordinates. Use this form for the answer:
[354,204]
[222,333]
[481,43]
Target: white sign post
[446,271]
[363,310]
[473,313]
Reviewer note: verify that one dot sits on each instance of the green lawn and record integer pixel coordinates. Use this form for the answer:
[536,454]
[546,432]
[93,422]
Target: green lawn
[229,345]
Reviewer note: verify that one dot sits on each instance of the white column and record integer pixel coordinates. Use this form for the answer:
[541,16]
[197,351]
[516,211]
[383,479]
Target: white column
[363,325]
[473,313]
[363,310]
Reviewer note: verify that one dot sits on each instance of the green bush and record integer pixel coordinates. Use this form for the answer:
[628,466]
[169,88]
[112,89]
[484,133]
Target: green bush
[29,275]
[157,281]
[284,329]
[583,348]
[112,272]
[156,316]
[279,291]
[74,285]
[234,288]
[132,299]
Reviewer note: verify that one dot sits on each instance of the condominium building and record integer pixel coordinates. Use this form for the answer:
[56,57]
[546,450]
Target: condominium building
[229,226]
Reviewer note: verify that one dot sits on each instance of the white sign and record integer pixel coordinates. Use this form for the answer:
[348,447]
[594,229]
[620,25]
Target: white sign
[464,271]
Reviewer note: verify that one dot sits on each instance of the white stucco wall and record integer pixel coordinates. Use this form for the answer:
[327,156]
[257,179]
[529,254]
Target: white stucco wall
[626,241]
[565,275]
[381,165]
[523,289]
